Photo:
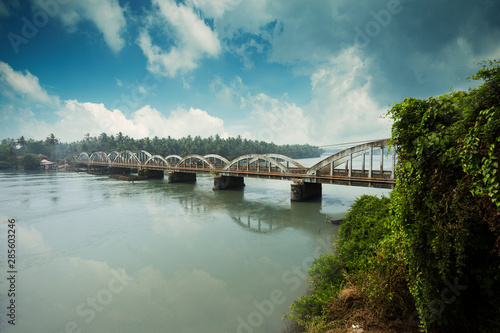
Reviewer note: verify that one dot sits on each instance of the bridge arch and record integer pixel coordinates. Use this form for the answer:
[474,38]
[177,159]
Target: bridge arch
[345,155]
[157,160]
[196,157]
[174,158]
[113,155]
[279,157]
[127,157]
[143,156]
[99,157]
[83,157]
[255,158]
[224,161]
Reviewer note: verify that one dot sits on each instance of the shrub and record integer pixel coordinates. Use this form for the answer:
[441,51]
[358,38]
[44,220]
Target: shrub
[30,162]
[4,165]
[364,227]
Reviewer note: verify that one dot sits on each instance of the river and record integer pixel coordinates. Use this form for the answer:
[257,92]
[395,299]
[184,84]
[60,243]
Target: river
[95,254]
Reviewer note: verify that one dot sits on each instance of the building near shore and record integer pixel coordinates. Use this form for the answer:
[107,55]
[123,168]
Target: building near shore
[48,165]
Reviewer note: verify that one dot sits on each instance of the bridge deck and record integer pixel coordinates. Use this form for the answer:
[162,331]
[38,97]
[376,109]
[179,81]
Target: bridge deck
[268,166]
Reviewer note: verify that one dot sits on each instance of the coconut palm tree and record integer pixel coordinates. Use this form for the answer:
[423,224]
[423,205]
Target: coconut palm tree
[21,142]
[51,140]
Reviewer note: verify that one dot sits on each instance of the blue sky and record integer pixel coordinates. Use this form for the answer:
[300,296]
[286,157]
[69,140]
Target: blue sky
[290,71]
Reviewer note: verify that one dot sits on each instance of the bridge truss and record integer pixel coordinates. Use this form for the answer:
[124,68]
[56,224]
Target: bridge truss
[335,169]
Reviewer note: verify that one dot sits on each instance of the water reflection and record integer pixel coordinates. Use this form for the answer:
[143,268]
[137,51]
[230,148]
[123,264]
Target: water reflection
[193,260]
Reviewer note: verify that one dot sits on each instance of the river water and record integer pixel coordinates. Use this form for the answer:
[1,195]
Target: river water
[95,254]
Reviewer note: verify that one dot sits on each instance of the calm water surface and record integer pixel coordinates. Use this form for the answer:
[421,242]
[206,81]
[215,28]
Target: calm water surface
[101,255]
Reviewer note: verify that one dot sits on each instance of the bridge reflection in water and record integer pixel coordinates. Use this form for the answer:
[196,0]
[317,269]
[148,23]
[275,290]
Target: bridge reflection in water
[335,169]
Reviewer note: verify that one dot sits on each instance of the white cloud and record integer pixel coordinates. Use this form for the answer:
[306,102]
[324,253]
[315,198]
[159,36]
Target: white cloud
[180,123]
[107,15]
[194,40]
[245,52]
[296,31]
[272,120]
[75,119]
[342,107]
[278,121]
[25,84]
[228,96]
[245,16]
[215,8]
[265,118]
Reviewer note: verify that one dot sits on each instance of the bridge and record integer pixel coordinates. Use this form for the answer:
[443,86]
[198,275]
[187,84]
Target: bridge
[306,181]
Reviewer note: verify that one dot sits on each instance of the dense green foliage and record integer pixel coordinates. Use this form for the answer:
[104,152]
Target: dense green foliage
[363,228]
[446,201]
[229,147]
[8,156]
[30,162]
[431,261]
[12,151]
[360,251]
[4,165]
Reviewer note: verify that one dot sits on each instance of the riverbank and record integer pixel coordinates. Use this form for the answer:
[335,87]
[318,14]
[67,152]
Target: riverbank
[428,258]
[362,286]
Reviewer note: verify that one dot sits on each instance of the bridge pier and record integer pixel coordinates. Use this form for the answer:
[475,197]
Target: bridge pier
[304,191]
[98,171]
[151,174]
[181,177]
[119,171]
[228,183]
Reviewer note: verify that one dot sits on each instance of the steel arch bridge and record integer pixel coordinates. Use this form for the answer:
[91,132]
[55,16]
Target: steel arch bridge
[335,169]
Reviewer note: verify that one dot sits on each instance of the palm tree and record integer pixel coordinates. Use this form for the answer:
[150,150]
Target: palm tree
[103,142]
[52,140]
[21,142]
[120,138]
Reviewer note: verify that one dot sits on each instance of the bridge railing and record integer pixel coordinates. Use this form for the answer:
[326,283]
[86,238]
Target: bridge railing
[330,167]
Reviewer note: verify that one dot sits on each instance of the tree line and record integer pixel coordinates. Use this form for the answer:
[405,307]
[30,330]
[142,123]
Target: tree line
[232,147]
[25,153]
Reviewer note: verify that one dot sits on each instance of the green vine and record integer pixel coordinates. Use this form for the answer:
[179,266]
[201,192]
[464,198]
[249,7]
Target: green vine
[446,202]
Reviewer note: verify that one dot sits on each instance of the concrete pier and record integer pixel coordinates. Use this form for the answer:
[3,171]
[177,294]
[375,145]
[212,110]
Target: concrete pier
[305,191]
[181,177]
[228,183]
[151,174]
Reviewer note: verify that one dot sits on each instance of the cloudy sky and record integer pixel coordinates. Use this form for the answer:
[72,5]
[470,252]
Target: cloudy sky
[288,71]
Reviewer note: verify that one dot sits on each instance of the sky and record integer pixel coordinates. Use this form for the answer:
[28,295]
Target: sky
[283,71]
